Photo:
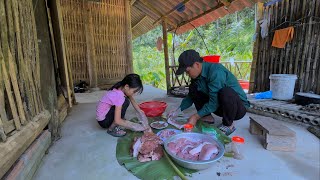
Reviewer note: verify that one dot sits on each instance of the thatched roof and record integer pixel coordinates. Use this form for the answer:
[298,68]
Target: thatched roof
[147,14]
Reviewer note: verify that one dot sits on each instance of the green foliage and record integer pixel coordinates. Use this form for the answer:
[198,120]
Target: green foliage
[229,37]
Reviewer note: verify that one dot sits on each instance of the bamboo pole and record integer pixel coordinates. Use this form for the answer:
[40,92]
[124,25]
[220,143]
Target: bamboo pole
[36,59]
[63,50]
[11,36]
[304,56]
[294,42]
[312,46]
[282,57]
[166,55]
[9,93]
[128,33]
[301,35]
[16,90]
[289,45]
[314,67]
[53,46]
[3,30]
[91,58]
[255,51]
[23,68]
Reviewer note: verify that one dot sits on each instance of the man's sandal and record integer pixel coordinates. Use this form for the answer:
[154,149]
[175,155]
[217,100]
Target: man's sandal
[117,132]
[226,130]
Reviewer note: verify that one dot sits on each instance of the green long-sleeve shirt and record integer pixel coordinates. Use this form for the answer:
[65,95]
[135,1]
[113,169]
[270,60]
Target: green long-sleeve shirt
[214,77]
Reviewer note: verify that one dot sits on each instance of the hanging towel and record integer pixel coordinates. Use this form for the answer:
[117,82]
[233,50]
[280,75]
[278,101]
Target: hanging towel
[282,36]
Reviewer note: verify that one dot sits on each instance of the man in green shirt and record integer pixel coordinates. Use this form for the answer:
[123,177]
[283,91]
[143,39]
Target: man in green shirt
[213,89]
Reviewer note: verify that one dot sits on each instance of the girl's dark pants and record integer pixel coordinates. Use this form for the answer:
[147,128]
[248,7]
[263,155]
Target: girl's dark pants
[230,105]
[106,123]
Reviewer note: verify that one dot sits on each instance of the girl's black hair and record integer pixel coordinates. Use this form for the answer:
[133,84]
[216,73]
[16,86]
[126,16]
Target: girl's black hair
[133,81]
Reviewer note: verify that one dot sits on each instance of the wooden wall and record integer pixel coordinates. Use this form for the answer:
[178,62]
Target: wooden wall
[96,43]
[301,56]
[22,112]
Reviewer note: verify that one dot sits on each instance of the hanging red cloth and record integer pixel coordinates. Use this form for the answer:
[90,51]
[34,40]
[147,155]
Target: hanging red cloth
[282,36]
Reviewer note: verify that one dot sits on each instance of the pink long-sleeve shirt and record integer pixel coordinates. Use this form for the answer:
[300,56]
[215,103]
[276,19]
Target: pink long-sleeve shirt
[111,98]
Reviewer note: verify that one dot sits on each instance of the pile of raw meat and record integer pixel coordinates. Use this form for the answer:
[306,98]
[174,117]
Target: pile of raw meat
[147,147]
[166,133]
[193,150]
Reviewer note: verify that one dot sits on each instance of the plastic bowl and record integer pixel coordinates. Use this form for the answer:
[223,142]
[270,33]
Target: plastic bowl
[198,165]
[212,58]
[153,108]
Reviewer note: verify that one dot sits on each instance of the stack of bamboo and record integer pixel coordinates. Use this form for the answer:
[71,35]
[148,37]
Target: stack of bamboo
[20,98]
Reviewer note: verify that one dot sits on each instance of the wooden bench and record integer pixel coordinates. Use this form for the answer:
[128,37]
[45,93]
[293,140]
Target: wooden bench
[277,137]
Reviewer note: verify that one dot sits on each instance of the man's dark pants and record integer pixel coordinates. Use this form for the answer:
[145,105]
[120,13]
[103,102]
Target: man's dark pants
[230,105]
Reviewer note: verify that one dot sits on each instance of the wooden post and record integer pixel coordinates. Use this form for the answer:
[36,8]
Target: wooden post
[255,53]
[91,55]
[61,49]
[166,55]
[128,37]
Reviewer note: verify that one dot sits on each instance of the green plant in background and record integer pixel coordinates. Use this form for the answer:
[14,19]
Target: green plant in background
[230,37]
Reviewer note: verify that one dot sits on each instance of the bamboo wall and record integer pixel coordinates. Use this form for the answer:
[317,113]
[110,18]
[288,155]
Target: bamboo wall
[301,56]
[96,39]
[20,99]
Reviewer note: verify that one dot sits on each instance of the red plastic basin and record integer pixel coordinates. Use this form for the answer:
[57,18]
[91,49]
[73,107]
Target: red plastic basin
[244,84]
[153,108]
[212,58]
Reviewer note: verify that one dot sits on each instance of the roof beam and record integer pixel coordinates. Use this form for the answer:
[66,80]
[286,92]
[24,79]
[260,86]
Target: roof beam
[142,19]
[169,12]
[225,2]
[200,15]
[155,10]
[132,2]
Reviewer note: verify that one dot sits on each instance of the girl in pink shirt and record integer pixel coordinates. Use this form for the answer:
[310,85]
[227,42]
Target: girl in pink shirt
[112,107]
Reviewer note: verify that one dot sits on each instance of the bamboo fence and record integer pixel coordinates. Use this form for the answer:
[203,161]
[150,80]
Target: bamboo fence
[241,70]
[301,55]
[95,37]
[20,98]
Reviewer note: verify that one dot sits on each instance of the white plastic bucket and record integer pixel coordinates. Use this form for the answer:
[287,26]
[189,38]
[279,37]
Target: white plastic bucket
[282,86]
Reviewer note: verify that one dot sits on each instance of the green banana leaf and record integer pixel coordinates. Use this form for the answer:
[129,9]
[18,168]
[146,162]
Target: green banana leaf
[160,169]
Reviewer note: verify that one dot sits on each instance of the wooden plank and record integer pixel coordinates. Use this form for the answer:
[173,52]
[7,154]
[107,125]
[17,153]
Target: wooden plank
[8,126]
[16,144]
[26,166]
[58,31]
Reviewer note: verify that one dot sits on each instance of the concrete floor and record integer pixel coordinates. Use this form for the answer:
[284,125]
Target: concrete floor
[86,151]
